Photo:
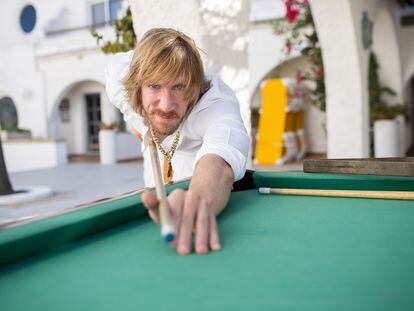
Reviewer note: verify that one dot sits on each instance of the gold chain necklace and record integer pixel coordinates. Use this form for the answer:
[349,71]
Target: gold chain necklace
[168,154]
[168,170]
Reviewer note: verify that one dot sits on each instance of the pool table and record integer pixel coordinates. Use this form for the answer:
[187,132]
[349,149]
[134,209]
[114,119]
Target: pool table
[279,253]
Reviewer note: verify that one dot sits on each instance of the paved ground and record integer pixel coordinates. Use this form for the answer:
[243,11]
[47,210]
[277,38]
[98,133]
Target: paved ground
[79,183]
[73,184]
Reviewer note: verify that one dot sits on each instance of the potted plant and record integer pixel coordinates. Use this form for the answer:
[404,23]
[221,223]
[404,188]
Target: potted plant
[107,142]
[387,121]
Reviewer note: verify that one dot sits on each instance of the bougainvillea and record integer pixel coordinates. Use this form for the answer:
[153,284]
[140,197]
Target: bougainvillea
[301,37]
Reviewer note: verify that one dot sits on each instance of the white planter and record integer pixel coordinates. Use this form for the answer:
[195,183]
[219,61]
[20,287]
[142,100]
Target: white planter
[386,142]
[107,146]
[401,125]
[44,153]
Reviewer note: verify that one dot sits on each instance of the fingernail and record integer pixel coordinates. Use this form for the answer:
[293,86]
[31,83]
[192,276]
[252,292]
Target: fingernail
[202,249]
[183,250]
[216,247]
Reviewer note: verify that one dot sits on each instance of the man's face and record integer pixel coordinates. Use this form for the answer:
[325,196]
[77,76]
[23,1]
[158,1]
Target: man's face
[164,105]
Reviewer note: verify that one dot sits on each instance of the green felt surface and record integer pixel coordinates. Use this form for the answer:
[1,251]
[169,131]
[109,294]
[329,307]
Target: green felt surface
[43,235]
[279,253]
[332,181]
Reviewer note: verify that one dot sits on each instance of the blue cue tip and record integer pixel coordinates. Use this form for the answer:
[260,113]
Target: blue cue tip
[169,238]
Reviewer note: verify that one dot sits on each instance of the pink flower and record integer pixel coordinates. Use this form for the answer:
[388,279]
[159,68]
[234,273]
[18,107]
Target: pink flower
[319,73]
[298,77]
[291,14]
[288,46]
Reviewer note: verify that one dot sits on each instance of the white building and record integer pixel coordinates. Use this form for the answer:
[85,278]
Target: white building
[339,24]
[51,69]
[52,73]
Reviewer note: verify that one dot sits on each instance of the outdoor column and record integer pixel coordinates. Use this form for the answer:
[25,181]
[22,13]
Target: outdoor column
[338,24]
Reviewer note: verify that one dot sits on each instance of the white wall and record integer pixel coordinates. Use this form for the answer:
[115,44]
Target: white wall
[23,155]
[35,68]
[386,46]
[127,146]
[407,64]
[265,52]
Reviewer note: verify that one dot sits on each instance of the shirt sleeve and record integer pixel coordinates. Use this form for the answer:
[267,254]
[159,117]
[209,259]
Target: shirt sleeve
[115,71]
[224,134]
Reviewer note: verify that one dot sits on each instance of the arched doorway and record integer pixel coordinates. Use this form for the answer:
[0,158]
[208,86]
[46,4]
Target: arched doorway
[78,113]
[314,122]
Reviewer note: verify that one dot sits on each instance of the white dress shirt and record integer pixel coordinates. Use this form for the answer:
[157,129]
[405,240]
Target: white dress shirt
[214,125]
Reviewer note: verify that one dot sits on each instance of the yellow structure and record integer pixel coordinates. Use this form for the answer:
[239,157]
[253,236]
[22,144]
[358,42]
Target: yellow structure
[280,137]
[269,142]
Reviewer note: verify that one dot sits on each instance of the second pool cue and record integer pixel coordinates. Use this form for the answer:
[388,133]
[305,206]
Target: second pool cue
[365,194]
[167,229]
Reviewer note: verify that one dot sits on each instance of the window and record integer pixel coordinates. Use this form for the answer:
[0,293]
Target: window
[28,18]
[105,11]
[98,13]
[114,7]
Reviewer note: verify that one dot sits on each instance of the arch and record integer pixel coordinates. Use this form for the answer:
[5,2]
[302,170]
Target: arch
[63,92]
[386,47]
[282,69]
[85,106]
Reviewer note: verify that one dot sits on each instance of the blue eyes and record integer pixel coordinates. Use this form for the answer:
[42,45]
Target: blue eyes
[154,86]
[178,87]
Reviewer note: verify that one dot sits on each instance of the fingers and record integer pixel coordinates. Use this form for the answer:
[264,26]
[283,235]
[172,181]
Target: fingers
[198,219]
[176,203]
[214,236]
[189,215]
[202,230]
[151,203]
[186,225]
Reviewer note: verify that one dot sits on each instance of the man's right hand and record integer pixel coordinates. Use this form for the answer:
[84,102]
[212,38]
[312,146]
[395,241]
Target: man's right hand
[190,216]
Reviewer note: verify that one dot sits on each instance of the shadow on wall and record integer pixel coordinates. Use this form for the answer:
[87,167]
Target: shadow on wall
[226,26]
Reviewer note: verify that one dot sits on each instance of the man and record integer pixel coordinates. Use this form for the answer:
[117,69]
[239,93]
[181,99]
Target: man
[195,121]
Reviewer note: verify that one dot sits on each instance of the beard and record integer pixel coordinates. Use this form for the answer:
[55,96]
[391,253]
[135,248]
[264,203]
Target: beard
[164,128]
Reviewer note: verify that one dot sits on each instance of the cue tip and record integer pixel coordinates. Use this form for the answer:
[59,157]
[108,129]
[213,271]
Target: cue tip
[264,190]
[167,233]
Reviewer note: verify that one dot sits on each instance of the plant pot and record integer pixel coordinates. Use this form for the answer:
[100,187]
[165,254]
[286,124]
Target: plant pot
[107,146]
[386,139]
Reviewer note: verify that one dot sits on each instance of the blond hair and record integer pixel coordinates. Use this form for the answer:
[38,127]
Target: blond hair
[161,56]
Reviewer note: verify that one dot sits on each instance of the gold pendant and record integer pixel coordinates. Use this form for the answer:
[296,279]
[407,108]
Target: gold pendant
[168,171]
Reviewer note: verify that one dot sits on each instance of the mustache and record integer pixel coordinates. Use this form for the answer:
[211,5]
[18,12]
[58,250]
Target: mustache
[163,114]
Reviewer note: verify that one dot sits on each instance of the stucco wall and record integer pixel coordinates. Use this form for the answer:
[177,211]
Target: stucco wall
[35,68]
[387,48]
[407,64]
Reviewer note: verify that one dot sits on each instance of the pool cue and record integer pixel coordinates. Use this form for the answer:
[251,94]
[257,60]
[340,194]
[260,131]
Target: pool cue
[365,194]
[167,229]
